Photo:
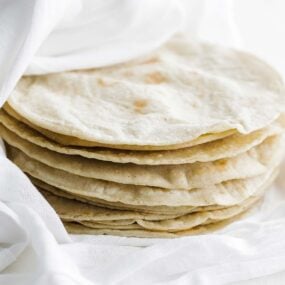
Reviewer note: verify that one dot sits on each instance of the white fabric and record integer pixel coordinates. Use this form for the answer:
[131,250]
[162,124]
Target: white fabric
[44,36]
[34,247]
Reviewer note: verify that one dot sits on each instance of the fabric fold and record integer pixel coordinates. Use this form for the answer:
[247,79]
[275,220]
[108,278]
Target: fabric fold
[43,36]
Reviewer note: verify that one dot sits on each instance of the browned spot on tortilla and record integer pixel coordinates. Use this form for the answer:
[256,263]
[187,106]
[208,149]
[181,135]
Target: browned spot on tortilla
[151,60]
[221,163]
[139,105]
[155,78]
[103,83]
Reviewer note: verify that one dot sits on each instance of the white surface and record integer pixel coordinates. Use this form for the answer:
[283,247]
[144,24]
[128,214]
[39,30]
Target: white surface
[35,248]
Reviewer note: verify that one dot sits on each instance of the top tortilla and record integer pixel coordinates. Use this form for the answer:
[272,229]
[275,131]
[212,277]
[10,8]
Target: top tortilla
[73,141]
[180,92]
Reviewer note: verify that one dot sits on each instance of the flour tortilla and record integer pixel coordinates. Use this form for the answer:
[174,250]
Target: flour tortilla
[228,147]
[192,220]
[184,222]
[177,225]
[226,194]
[185,176]
[113,227]
[189,90]
[116,222]
[73,141]
[161,210]
[69,209]
[75,228]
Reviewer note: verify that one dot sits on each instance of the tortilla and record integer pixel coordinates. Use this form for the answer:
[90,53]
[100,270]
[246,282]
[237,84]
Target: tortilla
[185,176]
[71,141]
[191,89]
[162,210]
[184,222]
[225,194]
[223,148]
[69,209]
[75,228]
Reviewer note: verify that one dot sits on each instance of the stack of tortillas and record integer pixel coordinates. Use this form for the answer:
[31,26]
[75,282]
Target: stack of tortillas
[182,141]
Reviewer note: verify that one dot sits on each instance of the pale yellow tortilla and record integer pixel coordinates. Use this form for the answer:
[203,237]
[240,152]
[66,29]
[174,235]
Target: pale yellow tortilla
[73,141]
[161,210]
[75,228]
[226,193]
[69,209]
[224,148]
[180,223]
[113,227]
[192,89]
[74,211]
[192,220]
[185,176]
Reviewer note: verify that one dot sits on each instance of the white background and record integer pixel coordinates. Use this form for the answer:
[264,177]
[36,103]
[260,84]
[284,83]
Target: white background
[262,27]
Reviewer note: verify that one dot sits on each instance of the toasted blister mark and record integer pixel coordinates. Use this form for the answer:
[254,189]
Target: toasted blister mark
[155,78]
[101,82]
[104,83]
[151,60]
[221,164]
[140,105]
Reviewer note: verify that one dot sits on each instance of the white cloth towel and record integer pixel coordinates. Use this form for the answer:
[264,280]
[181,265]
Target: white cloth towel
[41,36]
[44,36]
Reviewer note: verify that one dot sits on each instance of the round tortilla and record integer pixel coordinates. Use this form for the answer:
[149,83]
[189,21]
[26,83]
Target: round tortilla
[76,228]
[186,91]
[73,141]
[226,193]
[223,148]
[185,176]
[95,217]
